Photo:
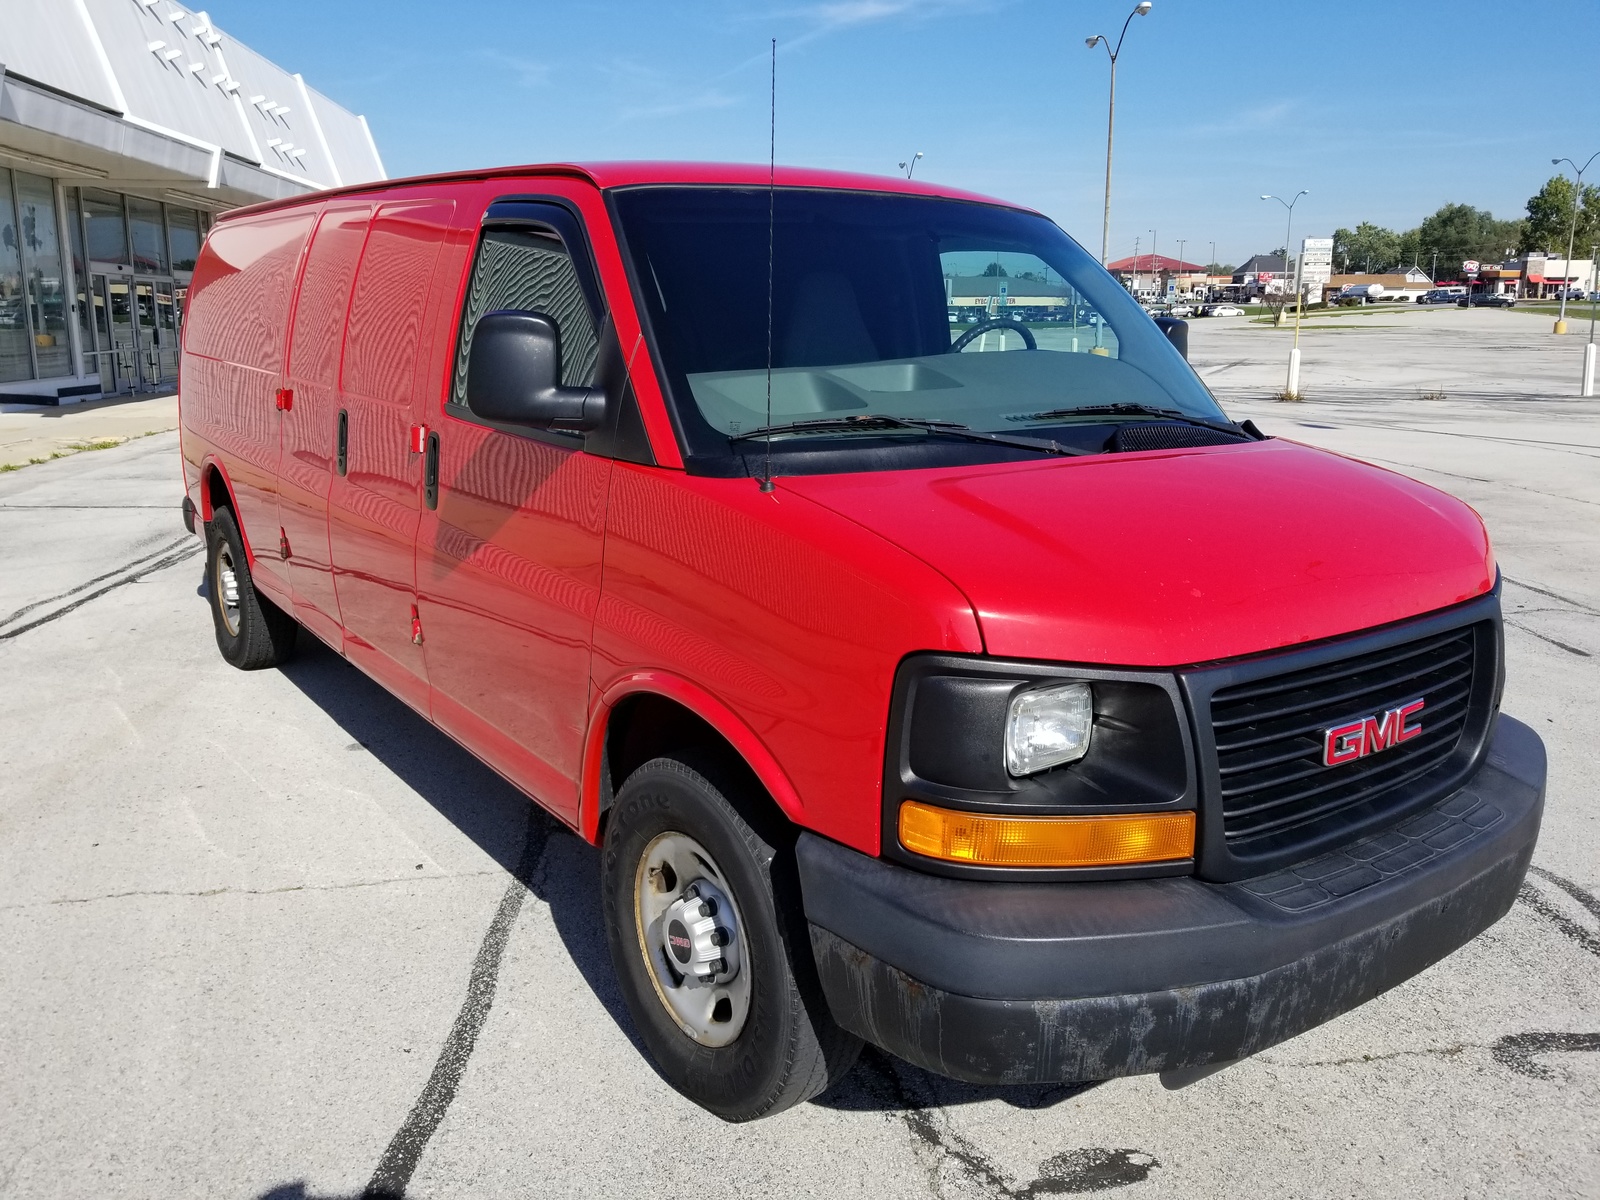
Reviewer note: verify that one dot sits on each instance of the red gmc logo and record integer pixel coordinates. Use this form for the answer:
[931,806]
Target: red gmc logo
[1346,743]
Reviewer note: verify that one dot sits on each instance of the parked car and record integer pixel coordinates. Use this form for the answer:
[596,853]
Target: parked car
[1487,300]
[1015,711]
[1222,310]
[1180,310]
[1438,296]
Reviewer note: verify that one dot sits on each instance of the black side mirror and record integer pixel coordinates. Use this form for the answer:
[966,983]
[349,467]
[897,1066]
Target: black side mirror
[514,376]
[1177,331]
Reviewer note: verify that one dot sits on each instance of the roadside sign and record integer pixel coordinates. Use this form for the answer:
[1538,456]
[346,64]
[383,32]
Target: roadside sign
[1264,277]
[1470,266]
[1316,264]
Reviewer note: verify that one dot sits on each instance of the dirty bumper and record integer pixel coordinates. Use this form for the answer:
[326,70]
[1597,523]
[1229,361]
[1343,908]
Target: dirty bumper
[1028,983]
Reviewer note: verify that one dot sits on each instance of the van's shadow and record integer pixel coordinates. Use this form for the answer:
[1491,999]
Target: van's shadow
[566,877]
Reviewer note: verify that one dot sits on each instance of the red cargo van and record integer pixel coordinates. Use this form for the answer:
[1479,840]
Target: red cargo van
[980,691]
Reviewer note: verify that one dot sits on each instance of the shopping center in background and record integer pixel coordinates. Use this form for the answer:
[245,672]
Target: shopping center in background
[124,124]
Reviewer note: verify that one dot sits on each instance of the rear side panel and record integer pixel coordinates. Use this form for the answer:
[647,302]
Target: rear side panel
[233,362]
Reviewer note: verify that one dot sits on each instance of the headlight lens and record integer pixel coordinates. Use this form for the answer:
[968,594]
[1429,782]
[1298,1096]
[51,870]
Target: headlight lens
[1047,727]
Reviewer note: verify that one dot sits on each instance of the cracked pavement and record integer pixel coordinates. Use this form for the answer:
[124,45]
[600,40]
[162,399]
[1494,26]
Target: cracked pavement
[270,935]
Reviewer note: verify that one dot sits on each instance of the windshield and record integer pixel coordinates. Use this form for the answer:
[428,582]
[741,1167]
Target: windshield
[921,309]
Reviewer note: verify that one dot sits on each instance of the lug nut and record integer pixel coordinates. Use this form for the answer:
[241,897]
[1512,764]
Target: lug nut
[708,907]
[719,936]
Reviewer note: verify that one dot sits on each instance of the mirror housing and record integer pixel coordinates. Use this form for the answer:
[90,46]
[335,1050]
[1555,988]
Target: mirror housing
[1177,331]
[514,376]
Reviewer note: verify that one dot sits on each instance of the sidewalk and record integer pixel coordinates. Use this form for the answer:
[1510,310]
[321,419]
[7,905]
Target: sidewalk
[31,432]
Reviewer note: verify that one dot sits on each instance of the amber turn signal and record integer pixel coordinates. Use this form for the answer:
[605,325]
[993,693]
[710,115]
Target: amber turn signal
[985,840]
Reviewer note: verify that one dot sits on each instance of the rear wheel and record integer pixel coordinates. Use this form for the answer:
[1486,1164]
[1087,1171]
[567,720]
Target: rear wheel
[710,945]
[252,631]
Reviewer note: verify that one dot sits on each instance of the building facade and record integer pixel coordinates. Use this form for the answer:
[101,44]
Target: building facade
[124,125]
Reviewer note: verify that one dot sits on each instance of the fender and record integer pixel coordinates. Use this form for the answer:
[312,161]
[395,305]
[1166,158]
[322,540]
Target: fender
[704,705]
[207,465]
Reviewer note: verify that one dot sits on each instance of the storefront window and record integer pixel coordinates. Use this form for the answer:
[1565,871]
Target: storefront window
[15,361]
[149,235]
[183,227]
[108,235]
[45,283]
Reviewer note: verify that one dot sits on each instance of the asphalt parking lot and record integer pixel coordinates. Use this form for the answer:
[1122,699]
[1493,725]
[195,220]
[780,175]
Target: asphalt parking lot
[270,935]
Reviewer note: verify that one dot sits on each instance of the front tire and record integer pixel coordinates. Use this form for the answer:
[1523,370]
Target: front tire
[710,946]
[252,631]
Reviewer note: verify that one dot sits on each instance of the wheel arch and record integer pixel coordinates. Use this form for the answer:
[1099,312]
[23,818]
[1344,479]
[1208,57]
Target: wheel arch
[650,713]
[216,491]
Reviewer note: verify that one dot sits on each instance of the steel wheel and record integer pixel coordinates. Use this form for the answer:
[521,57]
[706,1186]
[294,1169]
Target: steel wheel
[689,936]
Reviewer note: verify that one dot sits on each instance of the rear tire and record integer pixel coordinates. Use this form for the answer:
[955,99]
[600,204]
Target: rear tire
[252,631]
[758,1038]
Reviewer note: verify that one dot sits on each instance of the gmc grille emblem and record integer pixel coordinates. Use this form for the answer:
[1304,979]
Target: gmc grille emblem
[1368,735]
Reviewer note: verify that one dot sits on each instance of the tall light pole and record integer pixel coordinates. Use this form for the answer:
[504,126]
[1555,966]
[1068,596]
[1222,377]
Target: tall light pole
[1139,10]
[1155,267]
[1577,194]
[910,164]
[1287,229]
[1182,242]
[1588,351]
[1292,386]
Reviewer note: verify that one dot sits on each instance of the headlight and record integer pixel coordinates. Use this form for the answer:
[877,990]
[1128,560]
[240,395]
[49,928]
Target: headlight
[1047,727]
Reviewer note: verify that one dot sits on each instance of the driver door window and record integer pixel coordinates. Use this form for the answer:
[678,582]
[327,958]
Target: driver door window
[531,272]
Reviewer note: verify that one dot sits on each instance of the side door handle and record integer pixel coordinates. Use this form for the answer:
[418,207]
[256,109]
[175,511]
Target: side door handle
[430,473]
[342,457]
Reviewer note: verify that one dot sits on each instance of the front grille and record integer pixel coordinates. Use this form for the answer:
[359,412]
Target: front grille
[1269,733]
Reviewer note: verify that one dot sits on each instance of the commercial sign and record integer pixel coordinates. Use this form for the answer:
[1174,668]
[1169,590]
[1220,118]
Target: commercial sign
[1316,264]
[1470,266]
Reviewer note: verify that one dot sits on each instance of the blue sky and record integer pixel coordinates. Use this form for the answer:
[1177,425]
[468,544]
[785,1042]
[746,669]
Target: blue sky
[1383,110]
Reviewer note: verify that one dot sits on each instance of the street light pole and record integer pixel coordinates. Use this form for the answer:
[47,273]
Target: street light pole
[910,164]
[1139,10]
[1594,298]
[1292,385]
[1287,230]
[1577,194]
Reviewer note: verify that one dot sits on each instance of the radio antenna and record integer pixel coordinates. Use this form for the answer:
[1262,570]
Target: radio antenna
[772,199]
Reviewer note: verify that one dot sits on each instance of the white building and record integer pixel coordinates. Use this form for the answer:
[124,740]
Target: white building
[124,124]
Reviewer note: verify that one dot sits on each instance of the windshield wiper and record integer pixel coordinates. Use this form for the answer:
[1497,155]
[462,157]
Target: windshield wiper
[1125,408]
[884,421]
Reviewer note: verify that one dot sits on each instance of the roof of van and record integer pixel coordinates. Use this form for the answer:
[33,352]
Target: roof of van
[633,174]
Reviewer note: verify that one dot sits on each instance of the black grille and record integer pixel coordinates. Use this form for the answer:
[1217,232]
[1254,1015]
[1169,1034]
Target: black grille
[1269,732]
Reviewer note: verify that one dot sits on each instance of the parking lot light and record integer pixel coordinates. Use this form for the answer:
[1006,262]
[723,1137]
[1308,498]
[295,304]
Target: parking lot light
[1139,10]
[1572,234]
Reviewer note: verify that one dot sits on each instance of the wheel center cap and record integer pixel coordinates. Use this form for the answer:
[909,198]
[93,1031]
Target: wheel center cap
[700,935]
[679,943]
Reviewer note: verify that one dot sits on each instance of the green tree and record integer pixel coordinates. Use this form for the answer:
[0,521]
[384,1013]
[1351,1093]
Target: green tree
[1368,247]
[1459,232]
[994,271]
[1549,222]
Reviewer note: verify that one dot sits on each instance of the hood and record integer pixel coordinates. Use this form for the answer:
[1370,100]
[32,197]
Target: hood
[1176,557]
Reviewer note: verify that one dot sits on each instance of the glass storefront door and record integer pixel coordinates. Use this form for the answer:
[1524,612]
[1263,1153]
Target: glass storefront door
[121,340]
[166,357]
[134,328]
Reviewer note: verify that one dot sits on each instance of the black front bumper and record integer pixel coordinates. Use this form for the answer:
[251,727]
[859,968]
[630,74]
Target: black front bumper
[1037,982]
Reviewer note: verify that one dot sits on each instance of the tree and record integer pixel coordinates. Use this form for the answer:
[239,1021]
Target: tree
[1549,222]
[1459,232]
[1368,247]
[994,271]
[1219,268]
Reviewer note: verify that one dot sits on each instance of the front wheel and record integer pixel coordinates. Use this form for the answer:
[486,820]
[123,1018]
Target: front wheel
[252,631]
[710,946]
